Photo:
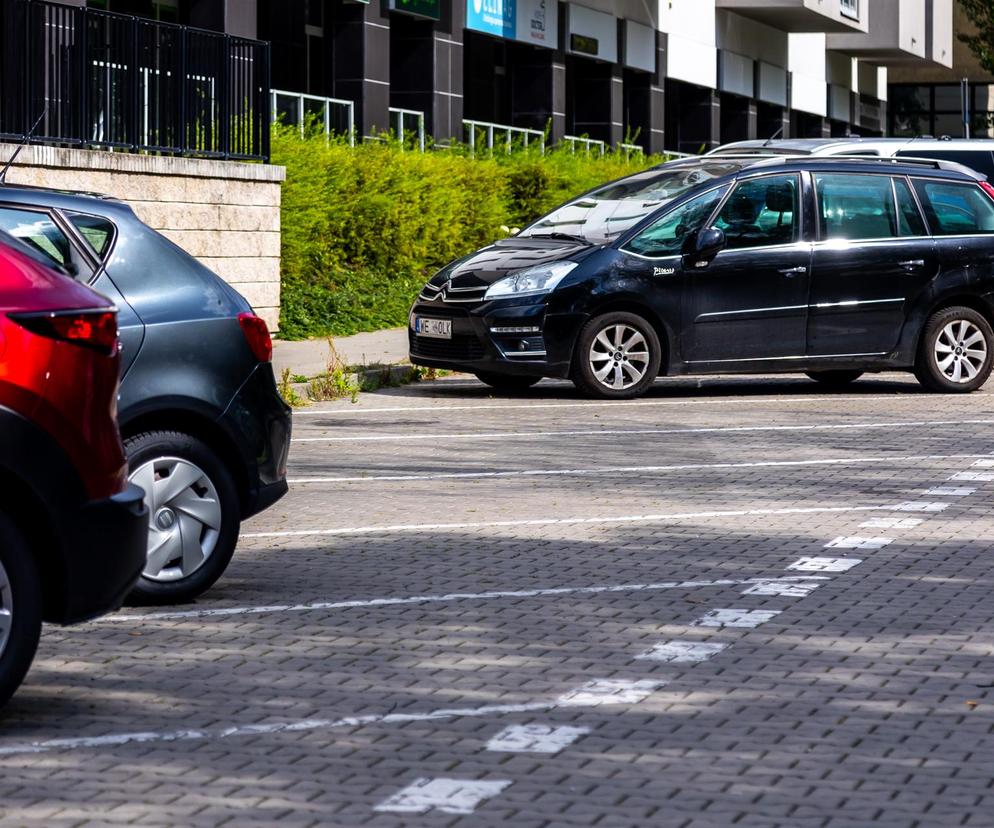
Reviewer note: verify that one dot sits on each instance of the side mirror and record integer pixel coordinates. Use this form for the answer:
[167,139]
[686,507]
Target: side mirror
[704,246]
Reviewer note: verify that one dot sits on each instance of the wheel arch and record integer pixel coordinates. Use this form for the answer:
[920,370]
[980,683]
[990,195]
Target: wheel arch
[966,300]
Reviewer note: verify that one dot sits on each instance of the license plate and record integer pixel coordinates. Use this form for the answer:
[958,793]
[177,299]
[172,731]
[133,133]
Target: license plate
[434,328]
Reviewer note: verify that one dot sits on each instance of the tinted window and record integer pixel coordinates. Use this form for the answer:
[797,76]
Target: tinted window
[909,217]
[98,232]
[856,206]
[666,236]
[953,208]
[760,212]
[39,232]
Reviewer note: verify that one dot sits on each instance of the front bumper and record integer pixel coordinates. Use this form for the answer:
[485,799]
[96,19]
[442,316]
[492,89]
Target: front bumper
[105,555]
[261,424]
[538,344]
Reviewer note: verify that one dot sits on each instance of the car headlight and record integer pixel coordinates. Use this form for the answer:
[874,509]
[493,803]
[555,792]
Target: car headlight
[531,281]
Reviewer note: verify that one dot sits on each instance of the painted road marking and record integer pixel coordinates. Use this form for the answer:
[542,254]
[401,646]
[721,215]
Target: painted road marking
[856,542]
[794,590]
[587,472]
[528,435]
[432,410]
[951,491]
[609,691]
[987,462]
[594,694]
[649,518]
[222,612]
[683,652]
[450,796]
[535,738]
[824,564]
[980,477]
[738,618]
[914,506]
[891,523]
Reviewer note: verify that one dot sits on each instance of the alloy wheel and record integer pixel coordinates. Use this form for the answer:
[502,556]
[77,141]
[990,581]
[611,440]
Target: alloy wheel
[960,351]
[184,517]
[619,356]
[6,608]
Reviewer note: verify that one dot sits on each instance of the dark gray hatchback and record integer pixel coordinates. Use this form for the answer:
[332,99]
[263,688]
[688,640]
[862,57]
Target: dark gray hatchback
[206,431]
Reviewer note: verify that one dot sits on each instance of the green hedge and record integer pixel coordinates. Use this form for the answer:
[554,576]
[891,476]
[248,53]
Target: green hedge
[363,227]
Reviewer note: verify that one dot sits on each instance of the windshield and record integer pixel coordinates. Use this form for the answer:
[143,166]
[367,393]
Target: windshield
[604,214]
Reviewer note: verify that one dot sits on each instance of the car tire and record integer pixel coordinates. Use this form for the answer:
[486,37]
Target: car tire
[603,361]
[835,379]
[20,607]
[956,351]
[201,511]
[507,382]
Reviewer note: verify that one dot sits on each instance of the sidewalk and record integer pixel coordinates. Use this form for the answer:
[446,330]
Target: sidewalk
[309,357]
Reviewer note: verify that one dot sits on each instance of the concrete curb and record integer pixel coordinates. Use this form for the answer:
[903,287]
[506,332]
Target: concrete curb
[369,379]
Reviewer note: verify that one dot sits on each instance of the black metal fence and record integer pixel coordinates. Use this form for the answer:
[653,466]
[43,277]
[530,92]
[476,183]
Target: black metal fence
[110,80]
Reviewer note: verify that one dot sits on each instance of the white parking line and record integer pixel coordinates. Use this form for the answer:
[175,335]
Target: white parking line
[735,618]
[824,564]
[950,491]
[522,435]
[448,796]
[591,694]
[980,477]
[786,590]
[891,523]
[571,521]
[222,612]
[588,472]
[856,542]
[432,410]
[535,738]
[985,463]
[683,652]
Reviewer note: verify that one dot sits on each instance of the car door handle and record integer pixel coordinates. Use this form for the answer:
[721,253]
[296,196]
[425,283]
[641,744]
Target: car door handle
[911,264]
[794,271]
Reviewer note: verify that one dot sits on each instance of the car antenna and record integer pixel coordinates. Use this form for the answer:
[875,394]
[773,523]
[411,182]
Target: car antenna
[766,143]
[20,146]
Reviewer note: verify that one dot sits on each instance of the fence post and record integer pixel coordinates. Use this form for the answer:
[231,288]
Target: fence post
[472,139]
[300,114]
[351,123]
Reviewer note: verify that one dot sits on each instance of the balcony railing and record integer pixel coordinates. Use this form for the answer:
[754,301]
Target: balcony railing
[500,136]
[586,144]
[98,79]
[336,116]
[408,122]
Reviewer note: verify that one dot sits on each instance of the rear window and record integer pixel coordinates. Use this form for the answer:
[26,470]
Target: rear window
[955,209]
[98,232]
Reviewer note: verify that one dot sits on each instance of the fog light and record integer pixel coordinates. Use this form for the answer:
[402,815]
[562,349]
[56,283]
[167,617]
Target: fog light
[517,329]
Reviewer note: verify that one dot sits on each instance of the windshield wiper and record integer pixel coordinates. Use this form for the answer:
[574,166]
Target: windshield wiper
[558,235]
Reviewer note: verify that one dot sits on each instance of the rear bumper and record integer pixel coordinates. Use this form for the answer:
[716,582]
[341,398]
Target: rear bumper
[261,423]
[107,554]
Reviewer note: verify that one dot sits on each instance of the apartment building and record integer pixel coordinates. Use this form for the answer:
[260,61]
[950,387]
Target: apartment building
[679,75]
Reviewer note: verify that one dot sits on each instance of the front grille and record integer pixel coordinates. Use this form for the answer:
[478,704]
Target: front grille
[460,348]
[446,294]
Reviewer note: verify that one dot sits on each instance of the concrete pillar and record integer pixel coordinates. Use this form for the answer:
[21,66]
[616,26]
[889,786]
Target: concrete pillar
[655,141]
[362,64]
[558,129]
[447,99]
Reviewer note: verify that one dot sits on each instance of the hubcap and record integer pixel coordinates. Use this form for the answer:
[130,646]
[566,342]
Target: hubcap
[619,357]
[960,351]
[186,517]
[6,609]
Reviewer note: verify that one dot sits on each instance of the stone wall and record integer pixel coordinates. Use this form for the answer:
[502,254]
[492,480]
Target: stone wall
[226,213]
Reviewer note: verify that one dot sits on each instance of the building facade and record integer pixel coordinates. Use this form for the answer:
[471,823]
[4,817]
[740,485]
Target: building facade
[679,75]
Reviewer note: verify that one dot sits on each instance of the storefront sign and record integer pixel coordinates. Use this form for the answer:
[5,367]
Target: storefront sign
[530,21]
[496,17]
[429,9]
[591,33]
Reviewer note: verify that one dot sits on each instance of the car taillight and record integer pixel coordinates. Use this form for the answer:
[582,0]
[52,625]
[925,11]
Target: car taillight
[987,187]
[257,335]
[95,329]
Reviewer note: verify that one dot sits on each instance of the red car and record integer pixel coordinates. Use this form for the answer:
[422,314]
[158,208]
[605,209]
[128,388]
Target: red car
[72,529]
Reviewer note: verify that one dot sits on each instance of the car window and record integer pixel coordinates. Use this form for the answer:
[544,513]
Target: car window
[980,160]
[954,209]
[909,218]
[854,206]
[760,212]
[667,235]
[38,231]
[97,231]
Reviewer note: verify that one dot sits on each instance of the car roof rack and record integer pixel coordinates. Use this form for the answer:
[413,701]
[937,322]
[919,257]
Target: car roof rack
[932,163]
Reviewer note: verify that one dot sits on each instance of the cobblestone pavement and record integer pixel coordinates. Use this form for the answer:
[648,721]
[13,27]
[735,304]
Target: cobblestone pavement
[736,602]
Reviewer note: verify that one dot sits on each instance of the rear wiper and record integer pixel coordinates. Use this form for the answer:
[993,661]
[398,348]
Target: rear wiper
[557,235]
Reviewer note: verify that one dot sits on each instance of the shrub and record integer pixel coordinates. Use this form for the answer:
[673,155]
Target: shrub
[363,227]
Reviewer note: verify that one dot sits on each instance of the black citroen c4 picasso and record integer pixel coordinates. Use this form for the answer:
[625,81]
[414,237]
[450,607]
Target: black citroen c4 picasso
[831,267]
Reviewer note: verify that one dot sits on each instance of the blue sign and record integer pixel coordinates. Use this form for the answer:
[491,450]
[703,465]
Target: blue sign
[496,17]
